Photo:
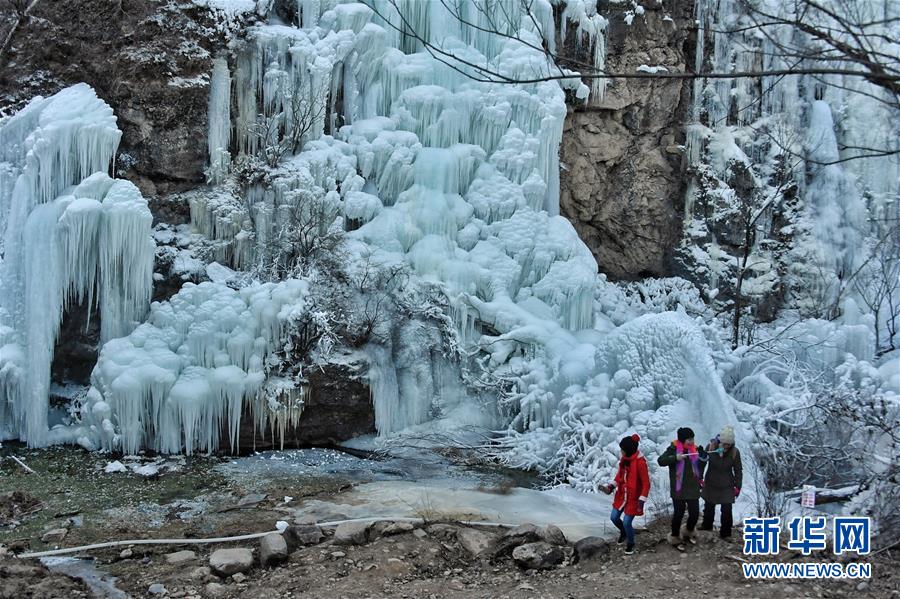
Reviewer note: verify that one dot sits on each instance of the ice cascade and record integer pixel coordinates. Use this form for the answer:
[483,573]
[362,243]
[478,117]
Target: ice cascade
[73,236]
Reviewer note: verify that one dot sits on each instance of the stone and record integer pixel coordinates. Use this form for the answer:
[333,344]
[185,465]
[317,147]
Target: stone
[389,528]
[126,554]
[351,533]
[591,548]
[338,554]
[272,550]
[157,589]
[419,533]
[396,568]
[538,556]
[442,531]
[226,562]
[512,538]
[55,536]
[553,535]
[238,577]
[303,535]
[181,557]
[474,541]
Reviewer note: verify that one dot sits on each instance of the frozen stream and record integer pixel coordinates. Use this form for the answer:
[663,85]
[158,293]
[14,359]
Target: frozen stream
[421,483]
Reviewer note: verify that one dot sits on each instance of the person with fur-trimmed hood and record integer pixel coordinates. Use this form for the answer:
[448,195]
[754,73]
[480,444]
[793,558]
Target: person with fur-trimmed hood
[686,462]
[722,485]
[632,487]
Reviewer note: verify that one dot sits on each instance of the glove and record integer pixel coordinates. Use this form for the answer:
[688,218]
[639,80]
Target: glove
[608,489]
[737,491]
[641,503]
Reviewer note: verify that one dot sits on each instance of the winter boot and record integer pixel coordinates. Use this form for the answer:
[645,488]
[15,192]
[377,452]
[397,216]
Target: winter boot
[676,543]
[689,536]
[622,537]
[629,549]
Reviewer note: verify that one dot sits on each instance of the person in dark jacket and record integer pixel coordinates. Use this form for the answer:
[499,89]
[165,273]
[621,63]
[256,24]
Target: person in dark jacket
[686,462]
[722,485]
[632,486]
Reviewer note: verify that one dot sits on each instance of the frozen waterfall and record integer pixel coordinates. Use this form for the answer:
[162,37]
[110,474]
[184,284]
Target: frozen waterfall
[72,236]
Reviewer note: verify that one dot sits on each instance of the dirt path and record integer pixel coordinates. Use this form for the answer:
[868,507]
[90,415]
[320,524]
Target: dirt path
[434,565]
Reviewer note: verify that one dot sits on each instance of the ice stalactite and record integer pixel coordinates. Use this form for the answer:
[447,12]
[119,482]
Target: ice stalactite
[219,137]
[71,237]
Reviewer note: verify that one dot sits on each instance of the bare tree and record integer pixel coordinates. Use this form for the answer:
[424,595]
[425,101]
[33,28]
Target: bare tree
[878,285]
[854,58]
[283,132]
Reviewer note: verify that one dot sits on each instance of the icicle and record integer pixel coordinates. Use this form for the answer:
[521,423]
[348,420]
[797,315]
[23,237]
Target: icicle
[219,136]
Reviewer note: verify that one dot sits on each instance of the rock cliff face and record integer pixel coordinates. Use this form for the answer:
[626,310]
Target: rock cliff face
[148,59]
[621,183]
[338,407]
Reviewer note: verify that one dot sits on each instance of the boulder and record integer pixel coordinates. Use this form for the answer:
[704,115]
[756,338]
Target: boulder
[180,557]
[553,535]
[474,541]
[538,556]
[387,528]
[352,533]
[157,589]
[591,548]
[55,536]
[226,562]
[302,535]
[272,550]
[512,538]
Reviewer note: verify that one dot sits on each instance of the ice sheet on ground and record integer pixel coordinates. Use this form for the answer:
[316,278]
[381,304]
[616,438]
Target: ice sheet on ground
[577,514]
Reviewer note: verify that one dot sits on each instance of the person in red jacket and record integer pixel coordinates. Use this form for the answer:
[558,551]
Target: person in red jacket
[632,486]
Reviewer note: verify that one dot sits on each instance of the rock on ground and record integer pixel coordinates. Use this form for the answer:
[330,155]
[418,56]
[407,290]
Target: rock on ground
[389,528]
[474,541]
[553,535]
[302,535]
[181,557]
[590,548]
[226,562]
[54,536]
[520,535]
[352,533]
[272,550]
[538,556]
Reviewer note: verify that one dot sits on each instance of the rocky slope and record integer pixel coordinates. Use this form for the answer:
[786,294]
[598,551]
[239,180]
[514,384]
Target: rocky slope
[148,59]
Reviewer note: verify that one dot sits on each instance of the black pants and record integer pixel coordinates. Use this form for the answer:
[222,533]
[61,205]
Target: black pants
[693,510]
[709,515]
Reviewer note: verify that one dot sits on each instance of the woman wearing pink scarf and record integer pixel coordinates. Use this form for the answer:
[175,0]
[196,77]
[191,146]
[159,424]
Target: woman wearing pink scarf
[686,462]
